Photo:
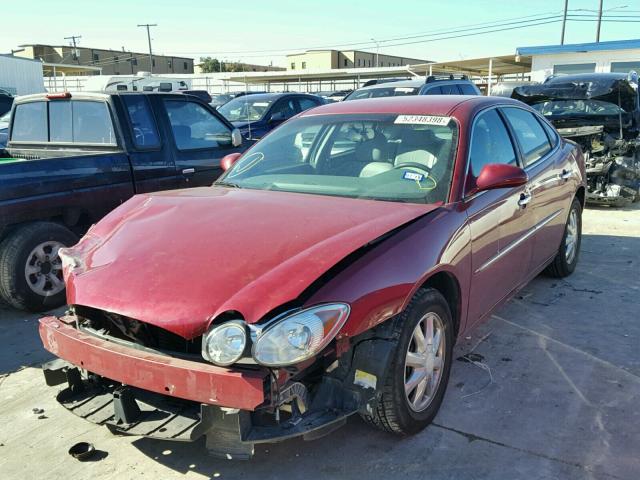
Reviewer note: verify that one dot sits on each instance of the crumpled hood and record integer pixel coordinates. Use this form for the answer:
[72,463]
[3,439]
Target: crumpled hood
[177,259]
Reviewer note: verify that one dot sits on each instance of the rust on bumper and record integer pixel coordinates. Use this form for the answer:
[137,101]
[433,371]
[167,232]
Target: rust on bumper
[199,382]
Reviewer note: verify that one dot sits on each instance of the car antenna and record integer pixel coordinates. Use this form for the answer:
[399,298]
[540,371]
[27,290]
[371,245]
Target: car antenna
[246,104]
[620,112]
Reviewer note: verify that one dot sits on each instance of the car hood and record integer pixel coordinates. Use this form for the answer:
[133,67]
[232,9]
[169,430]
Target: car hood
[178,259]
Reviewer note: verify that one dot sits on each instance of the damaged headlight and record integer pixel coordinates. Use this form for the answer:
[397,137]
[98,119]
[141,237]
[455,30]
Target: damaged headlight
[225,344]
[300,336]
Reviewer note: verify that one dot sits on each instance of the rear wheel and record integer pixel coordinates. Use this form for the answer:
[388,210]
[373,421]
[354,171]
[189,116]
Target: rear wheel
[566,259]
[418,372]
[30,267]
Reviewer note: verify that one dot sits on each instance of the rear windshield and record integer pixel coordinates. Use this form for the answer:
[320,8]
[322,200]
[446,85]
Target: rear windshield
[63,121]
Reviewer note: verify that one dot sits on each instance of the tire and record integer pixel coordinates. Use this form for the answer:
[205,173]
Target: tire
[393,412]
[40,289]
[562,265]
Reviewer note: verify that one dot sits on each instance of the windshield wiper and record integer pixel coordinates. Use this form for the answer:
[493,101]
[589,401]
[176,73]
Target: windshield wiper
[227,184]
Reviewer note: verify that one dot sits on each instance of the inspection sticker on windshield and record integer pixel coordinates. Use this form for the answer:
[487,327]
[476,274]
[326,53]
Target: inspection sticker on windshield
[422,120]
[413,176]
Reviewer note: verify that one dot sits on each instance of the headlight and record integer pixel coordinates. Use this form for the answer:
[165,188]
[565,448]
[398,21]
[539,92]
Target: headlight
[300,336]
[225,344]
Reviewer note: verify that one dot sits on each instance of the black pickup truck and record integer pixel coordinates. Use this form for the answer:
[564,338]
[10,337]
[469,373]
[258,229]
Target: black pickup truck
[72,158]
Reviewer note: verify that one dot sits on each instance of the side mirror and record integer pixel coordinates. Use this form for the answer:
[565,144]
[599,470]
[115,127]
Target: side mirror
[228,160]
[500,175]
[236,138]
[277,117]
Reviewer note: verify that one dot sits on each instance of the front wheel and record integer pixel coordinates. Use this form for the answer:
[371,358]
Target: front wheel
[30,268]
[418,372]
[566,259]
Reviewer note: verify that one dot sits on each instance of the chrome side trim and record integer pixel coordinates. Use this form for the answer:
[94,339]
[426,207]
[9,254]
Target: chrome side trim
[517,242]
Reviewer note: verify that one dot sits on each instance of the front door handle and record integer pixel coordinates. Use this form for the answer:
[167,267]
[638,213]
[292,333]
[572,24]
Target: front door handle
[188,171]
[525,198]
[566,175]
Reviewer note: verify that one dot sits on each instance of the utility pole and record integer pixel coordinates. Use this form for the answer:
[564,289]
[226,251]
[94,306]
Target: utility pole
[599,21]
[147,26]
[377,52]
[564,21]
[73,39]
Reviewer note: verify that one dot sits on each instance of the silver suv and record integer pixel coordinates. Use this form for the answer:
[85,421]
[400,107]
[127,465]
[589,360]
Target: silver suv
[432,85]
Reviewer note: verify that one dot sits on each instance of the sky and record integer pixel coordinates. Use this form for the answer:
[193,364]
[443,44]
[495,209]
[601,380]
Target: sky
[243,30]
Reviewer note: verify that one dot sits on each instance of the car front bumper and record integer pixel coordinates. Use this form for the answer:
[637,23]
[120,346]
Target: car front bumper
[175,377]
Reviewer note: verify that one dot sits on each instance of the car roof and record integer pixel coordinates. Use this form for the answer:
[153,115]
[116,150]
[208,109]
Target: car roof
[401,83]
[410,105]
[272,96]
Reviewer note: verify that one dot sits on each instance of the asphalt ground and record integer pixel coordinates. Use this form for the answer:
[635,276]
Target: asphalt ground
[554,394]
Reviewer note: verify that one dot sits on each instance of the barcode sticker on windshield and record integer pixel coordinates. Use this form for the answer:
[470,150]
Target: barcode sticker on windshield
[403,89]
[422,120]
[261,104]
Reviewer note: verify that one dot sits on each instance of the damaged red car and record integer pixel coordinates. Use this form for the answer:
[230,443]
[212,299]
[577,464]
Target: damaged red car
[329,272]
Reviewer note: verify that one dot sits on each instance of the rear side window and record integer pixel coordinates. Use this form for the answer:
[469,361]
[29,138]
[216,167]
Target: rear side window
[529,133]
[490,143]
[30,122]
[143,125]
[306,104]
[467,89]
[434,91]
[196,127]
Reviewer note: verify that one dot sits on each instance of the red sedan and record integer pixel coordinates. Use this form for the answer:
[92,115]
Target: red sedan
[328,272]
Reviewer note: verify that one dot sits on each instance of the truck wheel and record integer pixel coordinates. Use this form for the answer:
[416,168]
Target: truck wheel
[566,259]
[30,268]
[418,372]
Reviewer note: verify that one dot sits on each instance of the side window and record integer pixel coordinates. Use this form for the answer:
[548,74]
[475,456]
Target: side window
[467,89]
[143,125]
[529,133]
[30,122]
[551,133]
[434,91]
[284,109]
[451,89]
[306,104]
[92,123]
[490,144]
[195,127]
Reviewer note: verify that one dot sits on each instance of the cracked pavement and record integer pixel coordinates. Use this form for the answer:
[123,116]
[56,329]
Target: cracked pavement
[564,402]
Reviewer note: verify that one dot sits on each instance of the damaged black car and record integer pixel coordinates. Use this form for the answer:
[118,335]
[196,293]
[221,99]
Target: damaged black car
[601,113]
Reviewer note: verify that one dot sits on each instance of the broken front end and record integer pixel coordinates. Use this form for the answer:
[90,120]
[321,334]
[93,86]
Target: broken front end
[139,379]
[600,113]
[612,164]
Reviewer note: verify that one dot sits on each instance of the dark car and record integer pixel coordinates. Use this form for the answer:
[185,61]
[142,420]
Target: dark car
[4,129]
[256,115]
[6,100]
[314,282]
[432,85]
[600,112]
[73,157]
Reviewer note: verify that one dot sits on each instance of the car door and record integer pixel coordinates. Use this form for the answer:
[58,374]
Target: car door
[499,220]
[548,203]
[201,138]
[151,160]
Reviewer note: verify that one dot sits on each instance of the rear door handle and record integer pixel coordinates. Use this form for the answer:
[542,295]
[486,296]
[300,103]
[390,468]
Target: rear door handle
[188,171]
[525,198]
[566,175]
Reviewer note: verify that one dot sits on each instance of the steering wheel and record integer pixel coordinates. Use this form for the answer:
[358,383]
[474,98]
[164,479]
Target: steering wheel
[139,134]
[417,165]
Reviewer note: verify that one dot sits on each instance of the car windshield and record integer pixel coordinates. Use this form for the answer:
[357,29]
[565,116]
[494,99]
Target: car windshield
[383,92]
[406,158]
[577,107]
[245,108]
